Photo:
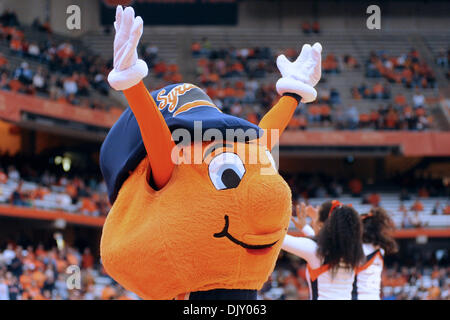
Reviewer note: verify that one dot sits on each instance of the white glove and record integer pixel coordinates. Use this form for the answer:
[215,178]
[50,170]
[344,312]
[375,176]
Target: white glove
[128,69]
[303,74]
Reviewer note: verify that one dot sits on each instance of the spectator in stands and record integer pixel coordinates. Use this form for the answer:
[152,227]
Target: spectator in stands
[54,88]
[374,199]
[436,208]
[33,50]
[70,86]
[330,64]
[417,206]
[400,100]
[87,259]
[17,197]
[335,189]
[24,74]
[39,81]
[13,286]
[83,85]
[206,46]
[151,52]
[374,119]
[306,27]
[355,186]
[3,63]
[36,24]
[423,192]
[352,117]
[100,83]
[351,62]
[335,97]
[404,195]
[4,81]
[9,18]
[65,50]
[316,27]
[416,221]
[196,49]
[378,91]
[160,69]
[8,254]
[13,174]
[442,58]
[447,209]
[406,219]
[418,99]
[364,91]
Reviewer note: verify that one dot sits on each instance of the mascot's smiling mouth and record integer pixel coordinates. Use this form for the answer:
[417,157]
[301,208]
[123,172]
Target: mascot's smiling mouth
[252,238]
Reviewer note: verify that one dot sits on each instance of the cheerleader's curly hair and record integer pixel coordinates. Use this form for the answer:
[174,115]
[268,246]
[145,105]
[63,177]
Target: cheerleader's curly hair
[340,239]
[378,228]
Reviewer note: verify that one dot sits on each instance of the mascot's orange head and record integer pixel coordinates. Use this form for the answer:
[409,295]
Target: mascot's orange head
[217,224]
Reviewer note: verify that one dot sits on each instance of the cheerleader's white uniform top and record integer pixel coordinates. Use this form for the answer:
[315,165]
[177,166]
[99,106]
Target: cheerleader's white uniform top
[367,283]
[322,285]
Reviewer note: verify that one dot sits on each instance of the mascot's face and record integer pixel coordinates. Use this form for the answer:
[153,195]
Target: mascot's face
[216,224]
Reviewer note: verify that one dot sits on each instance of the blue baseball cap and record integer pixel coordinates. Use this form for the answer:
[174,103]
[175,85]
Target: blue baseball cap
[181,105]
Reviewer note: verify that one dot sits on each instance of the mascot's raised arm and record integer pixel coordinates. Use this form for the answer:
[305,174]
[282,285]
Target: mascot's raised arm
[188,226]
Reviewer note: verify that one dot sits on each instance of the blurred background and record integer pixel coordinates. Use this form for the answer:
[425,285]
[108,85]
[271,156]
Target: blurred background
[377,135]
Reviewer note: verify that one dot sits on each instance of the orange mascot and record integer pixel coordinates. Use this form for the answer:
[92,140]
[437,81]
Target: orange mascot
[194,218]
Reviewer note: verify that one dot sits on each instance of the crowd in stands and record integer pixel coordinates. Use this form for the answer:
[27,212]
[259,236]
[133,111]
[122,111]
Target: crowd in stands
[166,72]
[310,28]
[9,19]
[398,115]
[36,273]
[64,73]
[407,69]
[33,179]
[307,187]
[321,185]
[233,79]
[35,184]
[215,64]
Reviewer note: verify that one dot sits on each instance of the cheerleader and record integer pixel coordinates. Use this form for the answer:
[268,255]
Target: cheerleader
[377,241]
[334,255]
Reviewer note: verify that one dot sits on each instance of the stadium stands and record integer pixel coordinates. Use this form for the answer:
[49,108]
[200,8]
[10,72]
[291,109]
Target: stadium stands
[168,54]
[50,191]
[88,196]
[363,87]
[34,273]
[393,205]
[359,45]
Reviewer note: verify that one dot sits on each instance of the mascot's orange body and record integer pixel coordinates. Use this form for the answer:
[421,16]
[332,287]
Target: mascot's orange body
[179,226]
[163,243]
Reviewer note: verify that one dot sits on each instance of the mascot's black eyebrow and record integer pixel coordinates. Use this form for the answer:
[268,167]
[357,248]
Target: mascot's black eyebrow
[214,147]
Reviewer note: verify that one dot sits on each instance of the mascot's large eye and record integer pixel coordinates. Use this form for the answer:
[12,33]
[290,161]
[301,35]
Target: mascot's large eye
[226,171]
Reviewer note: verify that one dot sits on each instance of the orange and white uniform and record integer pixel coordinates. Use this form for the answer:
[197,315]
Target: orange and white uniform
[367,283]
[322,284]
